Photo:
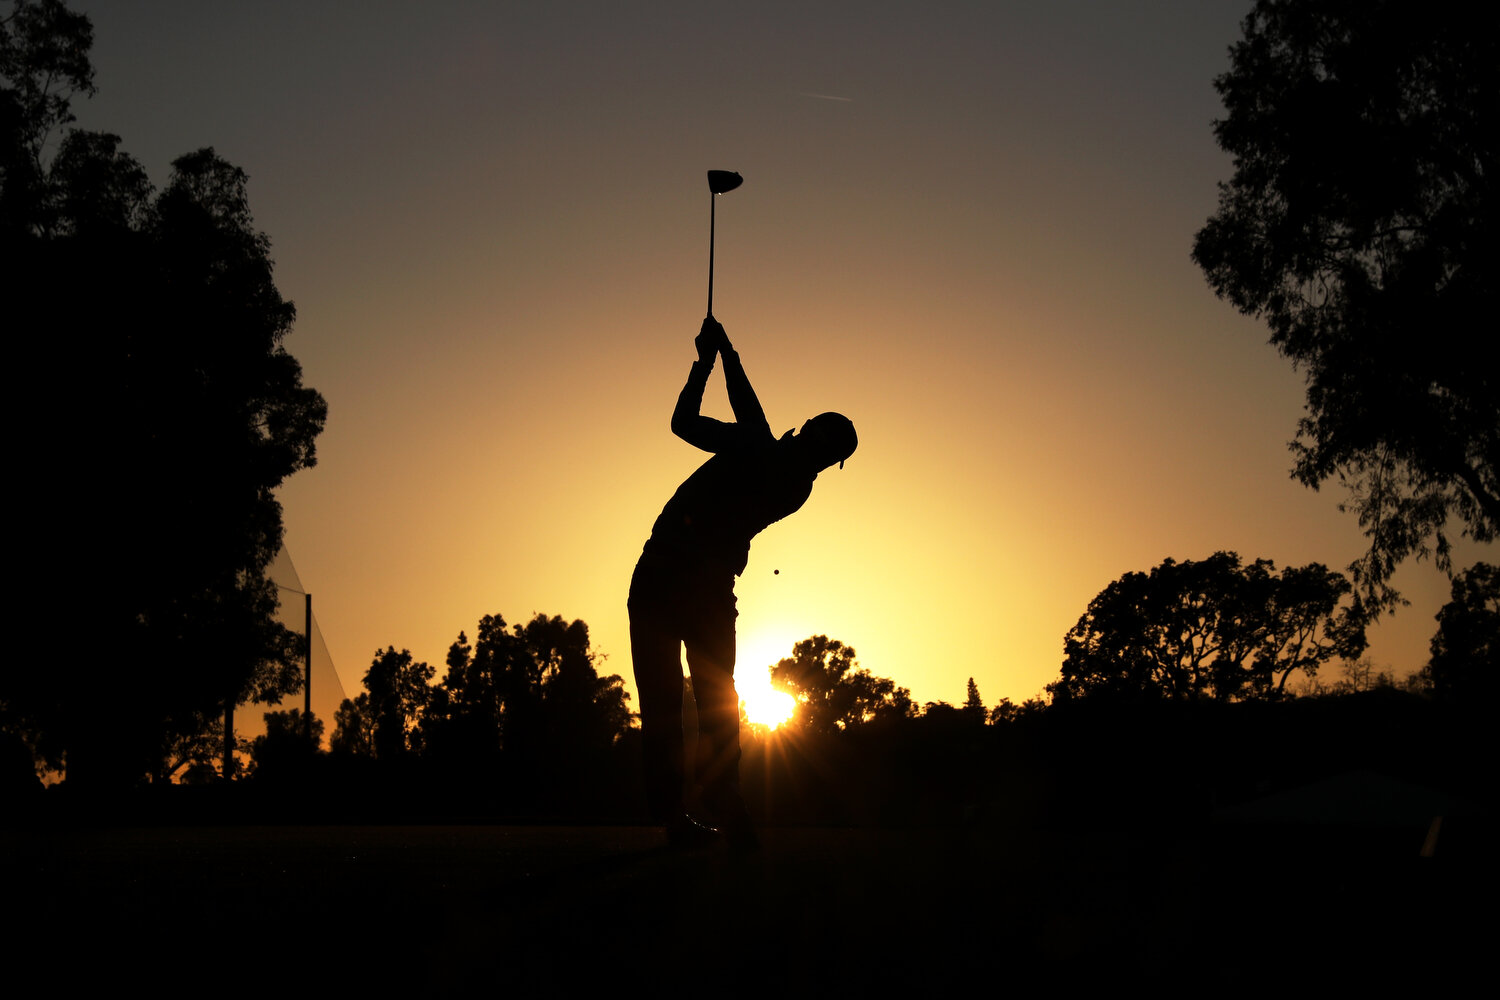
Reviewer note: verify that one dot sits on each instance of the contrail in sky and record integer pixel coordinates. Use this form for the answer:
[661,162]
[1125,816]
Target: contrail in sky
[825,97]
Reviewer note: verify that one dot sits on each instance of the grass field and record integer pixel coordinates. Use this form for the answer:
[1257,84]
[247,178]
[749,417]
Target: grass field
[487,910]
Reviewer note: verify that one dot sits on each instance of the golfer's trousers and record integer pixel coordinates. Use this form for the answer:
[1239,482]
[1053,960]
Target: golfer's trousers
[672,607]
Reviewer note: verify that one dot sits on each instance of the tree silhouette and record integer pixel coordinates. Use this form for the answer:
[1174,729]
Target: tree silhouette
[191,746]
[467,714]
[288,745]
[974,705]
[1359,225]
[832,693]
[44,61]
[1007,711]
[529,695]
[1465,663]
[1208,630]
[354,727]
[165,412]
[398,687]
[585,713]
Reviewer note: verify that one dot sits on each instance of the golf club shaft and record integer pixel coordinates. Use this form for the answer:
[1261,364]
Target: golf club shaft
[711,206]
[719,181]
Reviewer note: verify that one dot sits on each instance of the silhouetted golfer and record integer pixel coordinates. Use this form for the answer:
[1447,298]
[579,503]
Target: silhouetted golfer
[682,593]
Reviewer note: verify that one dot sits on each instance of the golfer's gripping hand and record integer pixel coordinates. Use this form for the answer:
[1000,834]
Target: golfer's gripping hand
[711,340]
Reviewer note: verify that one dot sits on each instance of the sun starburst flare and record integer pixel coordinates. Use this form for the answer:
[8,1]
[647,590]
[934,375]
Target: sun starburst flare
[764,705]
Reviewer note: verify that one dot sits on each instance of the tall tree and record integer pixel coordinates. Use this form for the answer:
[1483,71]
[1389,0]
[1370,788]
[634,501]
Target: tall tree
[833,694]
[468,713]
[354,727]
[530,691]
[1465,663]
[399,692]
[44,62]
[1360,226]
[584,711]
[288,746]
[974,705]
[1210,629]
[163,412]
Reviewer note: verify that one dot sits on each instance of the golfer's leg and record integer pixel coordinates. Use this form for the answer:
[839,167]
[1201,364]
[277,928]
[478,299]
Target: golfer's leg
[655,652]
[710,653]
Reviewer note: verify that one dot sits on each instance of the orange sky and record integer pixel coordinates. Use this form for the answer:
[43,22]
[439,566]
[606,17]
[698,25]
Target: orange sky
[494,224]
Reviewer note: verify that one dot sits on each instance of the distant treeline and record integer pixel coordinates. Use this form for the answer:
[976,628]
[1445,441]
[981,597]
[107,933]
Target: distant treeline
[522,725]
[1089,761]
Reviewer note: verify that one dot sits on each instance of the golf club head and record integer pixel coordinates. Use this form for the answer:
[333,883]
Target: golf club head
[720,181]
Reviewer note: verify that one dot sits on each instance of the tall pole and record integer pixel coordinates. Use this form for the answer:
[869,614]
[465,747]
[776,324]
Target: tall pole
[307,673]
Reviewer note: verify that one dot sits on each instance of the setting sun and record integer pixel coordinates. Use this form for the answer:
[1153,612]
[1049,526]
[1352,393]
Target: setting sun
[764,705]
[758,651]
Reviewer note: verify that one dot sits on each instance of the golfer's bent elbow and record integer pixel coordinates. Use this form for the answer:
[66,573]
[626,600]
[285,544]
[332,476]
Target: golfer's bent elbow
[688,421]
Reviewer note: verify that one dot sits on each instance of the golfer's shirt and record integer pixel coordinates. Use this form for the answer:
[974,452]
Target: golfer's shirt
[751,481]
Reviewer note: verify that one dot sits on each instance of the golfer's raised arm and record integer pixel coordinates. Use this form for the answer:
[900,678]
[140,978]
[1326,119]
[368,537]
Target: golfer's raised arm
[748,415]
[688,421]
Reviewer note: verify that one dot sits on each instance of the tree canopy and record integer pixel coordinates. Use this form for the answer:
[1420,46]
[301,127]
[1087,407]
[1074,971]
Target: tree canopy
[1360,226]
[162,412]
[529,692]
[291,741]
[832,692]
[1211,629]
[398,687]
[1465,663]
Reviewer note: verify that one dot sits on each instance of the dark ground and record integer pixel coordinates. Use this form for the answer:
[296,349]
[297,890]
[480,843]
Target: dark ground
[470,910]
[1204,849]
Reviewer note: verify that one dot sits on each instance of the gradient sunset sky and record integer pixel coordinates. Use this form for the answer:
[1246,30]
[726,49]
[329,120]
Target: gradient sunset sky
[966,226]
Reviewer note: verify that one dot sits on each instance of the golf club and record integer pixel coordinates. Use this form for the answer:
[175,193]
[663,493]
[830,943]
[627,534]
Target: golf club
[719,182]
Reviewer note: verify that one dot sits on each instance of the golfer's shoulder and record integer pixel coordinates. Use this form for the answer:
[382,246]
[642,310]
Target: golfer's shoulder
[748,442]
